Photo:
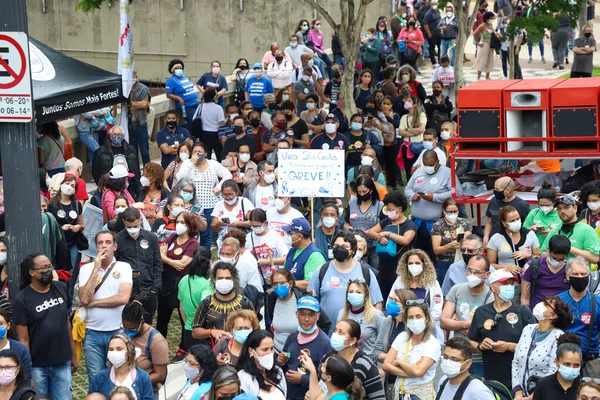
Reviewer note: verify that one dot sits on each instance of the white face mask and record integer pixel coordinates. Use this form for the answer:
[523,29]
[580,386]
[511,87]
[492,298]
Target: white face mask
[133,232]
[224,286]
[451,368]
[514,226]
[328,222]
[269,178]
[67,189]
[310,106]
[232,116]
[190,373]
[366,160]
[48,181]
[184,156]
[539,310]
[227,260]
[180,228]
[449,14]
[429,170]
[266,361]
[279,204]
[116,358]
[416,326]
[473,281]
[452,217]
[119,210]
[330,128]
[258,230]
[591,205]
[415,269]
[244,157]
[285,97]
[358,256]
[145,182]
[176,211]
[445,135]
[305,78]
[546,209]
[3,256]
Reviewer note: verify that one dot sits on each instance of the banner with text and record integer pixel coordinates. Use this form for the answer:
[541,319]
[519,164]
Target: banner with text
[311,173]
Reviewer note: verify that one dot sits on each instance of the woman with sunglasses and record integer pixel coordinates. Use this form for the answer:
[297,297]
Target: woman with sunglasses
[537,345]
[564,383]
[414,354]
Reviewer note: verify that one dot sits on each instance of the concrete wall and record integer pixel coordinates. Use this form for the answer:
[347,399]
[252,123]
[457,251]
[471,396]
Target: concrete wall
[203,31]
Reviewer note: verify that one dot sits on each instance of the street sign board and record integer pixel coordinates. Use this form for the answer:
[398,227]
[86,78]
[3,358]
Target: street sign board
[16,103]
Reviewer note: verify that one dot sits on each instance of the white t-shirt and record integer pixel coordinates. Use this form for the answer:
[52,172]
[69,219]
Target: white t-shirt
[269,242]
[106,319]
[440,153]
[236,214]
[277,221]
[248,271]
[264,197]
[431,349]
[475,391]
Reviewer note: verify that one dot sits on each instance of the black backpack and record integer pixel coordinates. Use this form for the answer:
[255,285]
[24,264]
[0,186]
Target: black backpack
[498,389]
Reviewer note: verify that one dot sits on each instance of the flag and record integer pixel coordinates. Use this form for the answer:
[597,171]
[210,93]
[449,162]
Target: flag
[125,63]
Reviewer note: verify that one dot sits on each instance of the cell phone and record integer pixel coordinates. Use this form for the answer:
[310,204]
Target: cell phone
[421,193]
[226,220]
[460,236]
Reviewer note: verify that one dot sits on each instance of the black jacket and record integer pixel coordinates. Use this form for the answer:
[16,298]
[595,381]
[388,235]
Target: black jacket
[143,254]
[323,323]
[164,193]
[103,162]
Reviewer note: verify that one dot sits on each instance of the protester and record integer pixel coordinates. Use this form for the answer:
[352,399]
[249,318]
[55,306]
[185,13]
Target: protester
[589,197]
[15,381]
[583,50]
[328,228]
[544,218]
[304,257]
[225,383]
[411,129]
[240,324]
[171,140]
[338,377]
[504,195]
[233,251]
[200,366]
[230,212]
[483,36]
[153,192]
[265,245]
[257,86]
[243,169]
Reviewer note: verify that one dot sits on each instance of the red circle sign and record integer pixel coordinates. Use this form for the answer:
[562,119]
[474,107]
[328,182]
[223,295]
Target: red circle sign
[17,77]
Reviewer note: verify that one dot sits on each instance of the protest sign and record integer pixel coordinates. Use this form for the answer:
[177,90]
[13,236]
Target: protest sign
[92,221]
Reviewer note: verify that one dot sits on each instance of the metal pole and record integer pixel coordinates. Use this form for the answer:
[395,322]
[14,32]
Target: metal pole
[18,148]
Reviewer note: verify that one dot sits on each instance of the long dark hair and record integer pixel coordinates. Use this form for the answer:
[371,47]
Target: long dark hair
[247,364]
[370,184]
[200,264]
[42,174]
[343,377]
[207,360]
[21,376]
[26,265]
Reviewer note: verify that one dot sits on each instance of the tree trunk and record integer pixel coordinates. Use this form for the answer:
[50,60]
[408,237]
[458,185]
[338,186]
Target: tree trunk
[582,19]
[465,19]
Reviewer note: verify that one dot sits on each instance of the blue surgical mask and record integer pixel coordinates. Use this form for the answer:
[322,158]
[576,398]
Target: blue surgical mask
[187,197]
[568,373]
[356,126]
[392,308]
[2,332]
[241,335]
[356,299]
[337,342]
[179,73]
[507,292]
[428,145]
[307,331]
[131,333]
[282,291]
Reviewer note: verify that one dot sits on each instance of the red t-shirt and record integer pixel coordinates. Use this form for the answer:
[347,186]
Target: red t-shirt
[177,251]
[81,192]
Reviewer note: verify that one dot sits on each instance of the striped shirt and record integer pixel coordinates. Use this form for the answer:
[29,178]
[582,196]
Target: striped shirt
[368,373]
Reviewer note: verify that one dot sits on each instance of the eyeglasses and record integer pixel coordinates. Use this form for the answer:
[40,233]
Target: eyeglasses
[277,284]
[587,379]
[191,363]
[475,272]
[8,367]
[45,268]
[417,302]
[469,251]
[357,280]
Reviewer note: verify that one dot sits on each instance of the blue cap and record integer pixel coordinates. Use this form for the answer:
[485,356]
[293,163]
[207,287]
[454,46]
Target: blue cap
[309,303]
[257,65]
[298,224]
[331,116]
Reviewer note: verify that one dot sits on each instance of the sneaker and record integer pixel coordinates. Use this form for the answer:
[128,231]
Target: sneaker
[179,357]
[567,61]
[554,65]
[561,67]
[435,65]
[530,60]
[543,60]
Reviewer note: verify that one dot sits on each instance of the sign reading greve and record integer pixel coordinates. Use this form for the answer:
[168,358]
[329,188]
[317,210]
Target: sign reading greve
[311,173]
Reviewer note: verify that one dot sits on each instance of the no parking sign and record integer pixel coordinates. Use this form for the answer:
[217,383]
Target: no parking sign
[15,82]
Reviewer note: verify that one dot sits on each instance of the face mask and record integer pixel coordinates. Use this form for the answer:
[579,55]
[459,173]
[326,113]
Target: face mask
[591,205]
[187,197]
[145,182]
[406,92]
[554,262]
[201,157]
[336,74]
[241,335]
[224,286]
[445,135]
[415,269]
[408,105]
[507,292]
[416,326]
[539,310]
[451,368]
[452,217]
[434,7]
[2,332]
[499,194]
[258,230]
[288,117]
[514,226]
[356,126]
[429,170]
[282,291]
[308,331]
[279,58]
[279,204]
[473,281]
[568,373]
[356,299]
[330,128]
[466,258]
[179,73]
[244,157]
[363,197]
[243,67]
[269,178]
[587,35]
[310,106]
[428,145]
[546,209]
[370,110]
[305,78]
[133,232]
[3,257]
[340,254]
[285,97]
[67,189]
[273,106]
[231,202]
[216,70]
[405,78]
[237,129]
[119,210]
[310,63]
[358,256]
[366,160]
[579,284]
[7,377]
[329,222]
[305,28]
[449,14]
[281,124]
[337,342]
[117,140]
[266,361]
[293,44]
[437,92]
[392,308]
[131,333]
[255,122]
[403,15]
[184,156]
[48,181]
[393,215]
[180,229]
[190,373]
[46,278]
[116,358]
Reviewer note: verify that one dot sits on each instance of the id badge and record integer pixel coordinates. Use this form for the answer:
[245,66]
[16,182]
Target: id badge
[330,254]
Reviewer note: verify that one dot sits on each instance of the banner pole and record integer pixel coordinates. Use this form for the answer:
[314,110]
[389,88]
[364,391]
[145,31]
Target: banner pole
[312,218]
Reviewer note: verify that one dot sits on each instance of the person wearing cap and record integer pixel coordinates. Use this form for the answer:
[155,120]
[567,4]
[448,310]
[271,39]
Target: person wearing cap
[116,186]
[496,327]
[281,215]
[333,87]
[504,195]
[309,340]
[182,92]
[331,139]
[257,86]
[584,239]
[304,257]
[117,151]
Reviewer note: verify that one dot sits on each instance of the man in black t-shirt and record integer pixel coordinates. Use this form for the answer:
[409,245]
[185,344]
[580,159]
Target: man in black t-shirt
[42,320]
[496,328]
[232,145]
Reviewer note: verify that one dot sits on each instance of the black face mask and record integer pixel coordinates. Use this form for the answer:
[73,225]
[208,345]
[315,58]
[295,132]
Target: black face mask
[225,398]
[587,35]
[243,67]
[171,124]
[279,58]
[363,197]
[237,129]
[288,117]
[412,24]
[579,284]
[255,122]
[370,110]
[340,254]
[336,74]
[466,258]
[46,278]
[499,195]
[273,106]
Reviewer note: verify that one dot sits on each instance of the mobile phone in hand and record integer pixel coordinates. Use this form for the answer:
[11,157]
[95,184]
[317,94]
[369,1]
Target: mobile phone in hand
[226,220]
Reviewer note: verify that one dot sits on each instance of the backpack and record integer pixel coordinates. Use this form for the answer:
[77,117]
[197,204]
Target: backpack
[498,389]
[323,270]
[147,351]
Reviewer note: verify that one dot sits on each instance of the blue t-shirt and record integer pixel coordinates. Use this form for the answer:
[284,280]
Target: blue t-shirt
[322,141]
[256,89]
[332,295]
[581,319]
[170,138]
[218,82]
[183,88]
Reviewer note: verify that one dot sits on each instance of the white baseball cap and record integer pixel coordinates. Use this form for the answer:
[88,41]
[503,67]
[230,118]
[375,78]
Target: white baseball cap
[501,275]
[119,171]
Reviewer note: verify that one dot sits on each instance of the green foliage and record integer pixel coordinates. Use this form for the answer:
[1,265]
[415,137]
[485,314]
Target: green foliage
[92,5]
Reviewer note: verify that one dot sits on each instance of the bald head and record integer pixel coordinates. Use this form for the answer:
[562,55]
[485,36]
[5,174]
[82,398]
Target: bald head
[505,185]
[94,396]
[274,46]
[430,157]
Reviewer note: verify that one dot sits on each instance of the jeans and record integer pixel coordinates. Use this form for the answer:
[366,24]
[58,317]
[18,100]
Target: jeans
[189,115]
[441,268]
[319,64]
[425,45]
[445,45]
[476,369]
[206,236]
[88,138]
[95,349]
[138,138]
[73,253]
[53,380]
[341,61]
[500,164]
[327,61]
[505,63]
[541,45]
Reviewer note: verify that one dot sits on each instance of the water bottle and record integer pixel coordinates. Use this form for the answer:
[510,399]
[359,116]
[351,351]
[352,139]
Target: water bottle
[183,113]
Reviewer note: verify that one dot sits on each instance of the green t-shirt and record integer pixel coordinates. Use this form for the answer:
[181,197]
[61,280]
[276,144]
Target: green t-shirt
[191,293]
[582,237]
[538,218]
[315,260]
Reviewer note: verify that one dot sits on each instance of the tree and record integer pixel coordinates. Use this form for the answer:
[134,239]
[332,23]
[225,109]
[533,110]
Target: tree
[91,5]
[348,30]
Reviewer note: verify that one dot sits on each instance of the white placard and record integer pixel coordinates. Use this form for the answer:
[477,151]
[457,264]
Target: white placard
[311,173]
[15,80]
[92,222]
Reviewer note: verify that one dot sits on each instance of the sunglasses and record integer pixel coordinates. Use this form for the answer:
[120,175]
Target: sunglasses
[417,302]
[587,379]
[497,319]
[357,280]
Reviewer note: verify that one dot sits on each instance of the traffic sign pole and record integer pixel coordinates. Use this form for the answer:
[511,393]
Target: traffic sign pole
[18,149]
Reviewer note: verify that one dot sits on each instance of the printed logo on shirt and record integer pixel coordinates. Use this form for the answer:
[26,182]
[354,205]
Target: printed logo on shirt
[437,299]
[49,304]
[488,324]
[505,248]
[264,201]
[586,317]
[512,318]
[433,181]
[334,282]
[276,226]
[178,251]
[116,274]
[144,244]
[325,146]
[353,215]
[472,313]
[262,251]
[419,180]
[340,144]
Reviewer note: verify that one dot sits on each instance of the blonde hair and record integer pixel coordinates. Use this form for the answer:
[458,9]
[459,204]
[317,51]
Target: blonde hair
[130,359]
[244,314]
[369,313]
[122,390]
[360,239]
[429,326]
[427,277]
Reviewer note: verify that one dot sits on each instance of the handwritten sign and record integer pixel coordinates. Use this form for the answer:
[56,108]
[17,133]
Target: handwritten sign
[311,173]
[92,222]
